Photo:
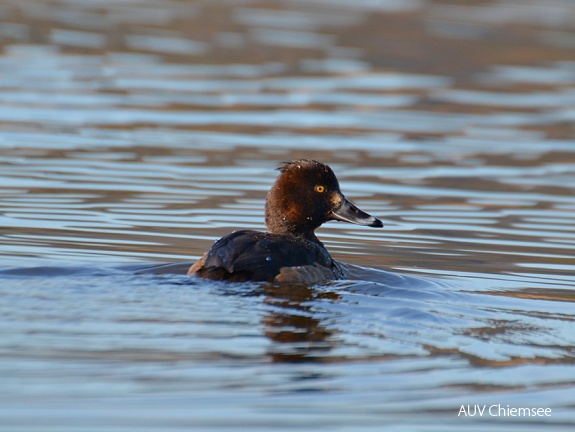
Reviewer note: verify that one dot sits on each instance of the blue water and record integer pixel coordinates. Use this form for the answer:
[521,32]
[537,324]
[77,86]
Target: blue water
[146,348]
[134,135]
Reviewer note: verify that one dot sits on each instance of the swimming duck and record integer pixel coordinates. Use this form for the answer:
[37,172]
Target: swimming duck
[305,195]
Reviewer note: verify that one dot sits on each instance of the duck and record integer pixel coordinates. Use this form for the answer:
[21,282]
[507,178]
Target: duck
[305,195]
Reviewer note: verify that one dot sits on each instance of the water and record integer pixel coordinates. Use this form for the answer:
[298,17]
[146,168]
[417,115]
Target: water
[133,135]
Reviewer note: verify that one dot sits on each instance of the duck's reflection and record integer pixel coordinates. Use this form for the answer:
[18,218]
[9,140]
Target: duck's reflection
[297,332]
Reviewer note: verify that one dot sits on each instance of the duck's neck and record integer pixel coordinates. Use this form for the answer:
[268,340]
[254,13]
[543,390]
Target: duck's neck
[281,225]
[284,227]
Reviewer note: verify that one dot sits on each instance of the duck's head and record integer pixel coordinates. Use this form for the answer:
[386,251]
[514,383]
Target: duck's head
[305,195]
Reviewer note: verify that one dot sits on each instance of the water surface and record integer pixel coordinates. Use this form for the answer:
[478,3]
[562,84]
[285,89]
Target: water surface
[134,135]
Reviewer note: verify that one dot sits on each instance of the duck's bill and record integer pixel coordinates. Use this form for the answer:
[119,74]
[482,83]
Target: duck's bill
[347,212]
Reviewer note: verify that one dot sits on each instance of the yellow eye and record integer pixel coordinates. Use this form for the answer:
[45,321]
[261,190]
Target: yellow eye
[320,189]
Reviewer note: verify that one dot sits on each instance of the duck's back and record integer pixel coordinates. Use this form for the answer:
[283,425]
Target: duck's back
[257,256]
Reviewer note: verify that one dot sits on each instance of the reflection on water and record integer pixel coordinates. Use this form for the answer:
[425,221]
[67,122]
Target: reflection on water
[135,134]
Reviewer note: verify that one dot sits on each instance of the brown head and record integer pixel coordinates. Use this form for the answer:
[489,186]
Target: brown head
[305,195]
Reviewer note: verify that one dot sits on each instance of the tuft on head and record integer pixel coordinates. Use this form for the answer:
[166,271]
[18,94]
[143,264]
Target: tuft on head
[299,164]
[310,166]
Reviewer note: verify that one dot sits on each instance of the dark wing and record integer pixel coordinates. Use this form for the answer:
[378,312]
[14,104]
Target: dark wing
[257,256]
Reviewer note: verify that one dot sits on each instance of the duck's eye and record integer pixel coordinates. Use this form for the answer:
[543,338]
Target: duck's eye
[320,189]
